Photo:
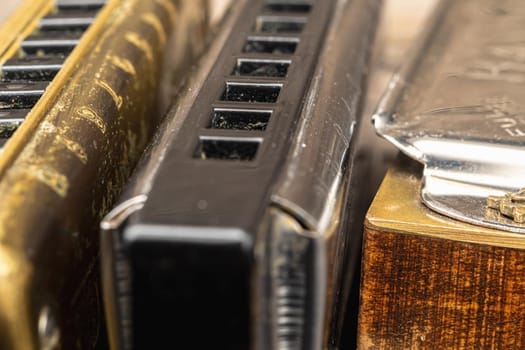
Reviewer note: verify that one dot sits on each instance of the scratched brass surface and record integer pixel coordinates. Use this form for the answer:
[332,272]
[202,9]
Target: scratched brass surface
[397,207]
[60,172]
[14,146]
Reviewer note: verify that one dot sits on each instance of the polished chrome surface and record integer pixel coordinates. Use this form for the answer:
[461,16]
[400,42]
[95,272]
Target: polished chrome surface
[311,181]
[290,285]
[321,177]
[457,105]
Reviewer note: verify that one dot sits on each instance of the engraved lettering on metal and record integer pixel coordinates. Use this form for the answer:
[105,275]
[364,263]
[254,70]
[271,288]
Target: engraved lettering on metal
[140,43]
[123,64]
[154,21]
[70,145]
[50,177]
[91,116]
[169,7]
[457,107]
[116,98]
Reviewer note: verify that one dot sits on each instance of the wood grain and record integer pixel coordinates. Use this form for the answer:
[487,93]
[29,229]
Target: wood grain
[420,292]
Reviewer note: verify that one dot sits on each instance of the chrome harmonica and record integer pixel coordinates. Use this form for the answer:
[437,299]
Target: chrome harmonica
[443,239]
[236,230]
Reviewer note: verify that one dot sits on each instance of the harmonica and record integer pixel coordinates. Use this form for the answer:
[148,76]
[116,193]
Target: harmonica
[236,230]
[79,82]
[444,245]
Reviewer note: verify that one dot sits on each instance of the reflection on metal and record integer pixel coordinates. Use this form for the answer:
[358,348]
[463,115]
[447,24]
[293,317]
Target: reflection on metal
[457,107]
[49,334]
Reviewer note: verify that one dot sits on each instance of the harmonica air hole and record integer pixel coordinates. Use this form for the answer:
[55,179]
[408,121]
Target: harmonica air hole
[10,120]
[80,4]
[271,45]
[67,21]
[20,95]
[50,43]
[31,68]
[227,149]
[251,92]
[8,128]
[261,68]
[24,78]
[278,24]
[249,120]
[289,7]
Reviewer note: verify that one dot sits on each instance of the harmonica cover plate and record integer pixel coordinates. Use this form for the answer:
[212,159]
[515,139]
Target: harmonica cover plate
[457,107]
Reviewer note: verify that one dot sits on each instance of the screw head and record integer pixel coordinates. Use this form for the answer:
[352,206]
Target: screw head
[511,205]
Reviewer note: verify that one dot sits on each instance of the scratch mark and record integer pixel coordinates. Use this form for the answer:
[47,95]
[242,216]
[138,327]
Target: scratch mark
[90,115]
[347,105]
[47,128]
[73,147]
[50,177]
[116,98]
[141,44]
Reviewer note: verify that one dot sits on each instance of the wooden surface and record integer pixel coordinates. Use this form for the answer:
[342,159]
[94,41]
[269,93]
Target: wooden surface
[431,282]
[421,292]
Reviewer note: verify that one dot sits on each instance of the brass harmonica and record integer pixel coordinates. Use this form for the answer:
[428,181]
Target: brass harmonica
[236,231]
[443,251]
[79,82]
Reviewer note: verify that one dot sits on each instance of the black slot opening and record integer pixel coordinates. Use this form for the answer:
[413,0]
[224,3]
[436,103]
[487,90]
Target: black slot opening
[39,74]
[40,46]
[80,4]
[261,68]
[280,24]
[289,7]
[271,45]
[8,128]
[50,43]
[240,119]
[21,95]
[234,149]
[251,92]
[18,102]
[67,21]
[31,68]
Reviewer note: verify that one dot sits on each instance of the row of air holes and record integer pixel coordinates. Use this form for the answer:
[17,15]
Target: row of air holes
[25,77]
[245,149]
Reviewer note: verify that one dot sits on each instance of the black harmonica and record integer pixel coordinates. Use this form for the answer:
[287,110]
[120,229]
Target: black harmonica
[237,228]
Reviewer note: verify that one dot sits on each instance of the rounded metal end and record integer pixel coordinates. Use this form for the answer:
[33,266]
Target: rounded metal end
[48,332]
